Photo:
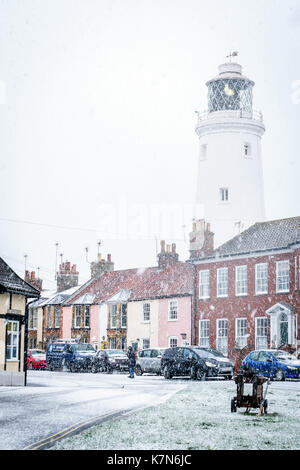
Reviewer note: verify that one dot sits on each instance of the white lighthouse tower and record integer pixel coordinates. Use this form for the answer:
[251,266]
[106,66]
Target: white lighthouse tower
[230,177]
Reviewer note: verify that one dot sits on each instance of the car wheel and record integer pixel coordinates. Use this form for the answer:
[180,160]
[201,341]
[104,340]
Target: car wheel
[72,367]
[138,370]
[279,375]
[167,374]
[94,369]
[228,377]
[265,407]
[200,375]
[50,366]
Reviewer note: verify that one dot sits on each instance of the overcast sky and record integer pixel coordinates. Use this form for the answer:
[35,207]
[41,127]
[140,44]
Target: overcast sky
[97,122]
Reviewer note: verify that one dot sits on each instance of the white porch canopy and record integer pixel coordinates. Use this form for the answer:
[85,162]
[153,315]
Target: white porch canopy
[283,324]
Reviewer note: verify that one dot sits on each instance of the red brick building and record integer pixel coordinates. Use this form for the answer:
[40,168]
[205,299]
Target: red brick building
[248,290]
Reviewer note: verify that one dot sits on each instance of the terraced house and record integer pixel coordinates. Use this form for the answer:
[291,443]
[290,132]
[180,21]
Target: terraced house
[141,306]
[14,295]
[248,289]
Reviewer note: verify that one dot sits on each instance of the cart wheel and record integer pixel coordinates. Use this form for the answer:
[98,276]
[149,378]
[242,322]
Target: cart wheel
[233,406]
[265,407]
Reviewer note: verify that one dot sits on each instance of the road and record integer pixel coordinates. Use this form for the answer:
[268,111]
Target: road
[54,405]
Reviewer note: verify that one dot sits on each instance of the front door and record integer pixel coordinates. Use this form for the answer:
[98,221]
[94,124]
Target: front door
[284,324]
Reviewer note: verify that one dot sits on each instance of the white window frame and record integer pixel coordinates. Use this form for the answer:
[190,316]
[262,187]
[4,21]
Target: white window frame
[261,340]
[49,316]
[203,151]
[261,280]
[219,337]
[279,276]
[30,317]
[56,316]
[113,316]
[76,316]
[146,320]
[204,328]
[123,315]
[34,318]
[87,315]
[241,280]
[241,336]
[224,195]
[219,286]
[113,342]
[247,150]
[204,284]
[173,309]
[14,343]
[145,343]
[172,339]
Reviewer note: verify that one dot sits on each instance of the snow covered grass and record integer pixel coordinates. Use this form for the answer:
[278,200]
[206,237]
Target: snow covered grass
[199,418]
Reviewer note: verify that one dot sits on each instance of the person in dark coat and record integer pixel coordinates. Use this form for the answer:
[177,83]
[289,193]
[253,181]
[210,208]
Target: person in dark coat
[131,357]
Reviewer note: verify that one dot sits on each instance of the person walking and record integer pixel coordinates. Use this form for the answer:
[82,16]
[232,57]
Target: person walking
[131,357]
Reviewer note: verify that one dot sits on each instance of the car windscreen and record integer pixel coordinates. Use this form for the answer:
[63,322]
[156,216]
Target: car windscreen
[83,347]
[37,352]
[282,356]
[115,352]
[214,352]
[203,352]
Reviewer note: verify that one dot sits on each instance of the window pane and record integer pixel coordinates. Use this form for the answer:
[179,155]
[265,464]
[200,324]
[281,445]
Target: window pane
[204,284]
[222,279]
[241,280]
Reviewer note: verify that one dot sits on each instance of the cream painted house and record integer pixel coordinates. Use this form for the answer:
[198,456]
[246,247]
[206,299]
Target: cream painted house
[14,293]
[142,323]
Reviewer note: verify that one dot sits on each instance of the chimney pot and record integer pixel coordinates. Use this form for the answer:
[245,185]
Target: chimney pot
[33,275]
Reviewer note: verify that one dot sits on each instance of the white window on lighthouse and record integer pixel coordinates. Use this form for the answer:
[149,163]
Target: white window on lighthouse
[247,149]
[203,151]
[224,194]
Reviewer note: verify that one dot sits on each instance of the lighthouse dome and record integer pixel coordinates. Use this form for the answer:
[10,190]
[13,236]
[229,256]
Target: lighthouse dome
[230,90]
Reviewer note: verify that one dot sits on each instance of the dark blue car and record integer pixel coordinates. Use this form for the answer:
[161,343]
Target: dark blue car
[273,363]
[74,356]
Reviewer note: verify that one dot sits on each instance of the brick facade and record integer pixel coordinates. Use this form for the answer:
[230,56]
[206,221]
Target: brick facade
[249,305]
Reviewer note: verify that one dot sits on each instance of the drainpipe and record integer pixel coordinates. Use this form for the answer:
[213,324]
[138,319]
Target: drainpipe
[194,316]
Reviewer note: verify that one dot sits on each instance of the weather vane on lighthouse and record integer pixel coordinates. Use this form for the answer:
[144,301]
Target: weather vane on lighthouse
[232,54]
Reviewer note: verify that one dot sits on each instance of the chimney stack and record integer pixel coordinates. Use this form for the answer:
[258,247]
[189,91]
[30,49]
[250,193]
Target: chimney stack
[34,281]
[101,266]
[67,276]
[165,258]
[201,240]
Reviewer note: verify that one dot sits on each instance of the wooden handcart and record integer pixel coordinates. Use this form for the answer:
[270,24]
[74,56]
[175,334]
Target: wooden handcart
[255,400]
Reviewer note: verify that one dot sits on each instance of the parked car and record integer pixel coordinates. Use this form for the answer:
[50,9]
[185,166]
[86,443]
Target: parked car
[225,365]
[108,360]
[149,361]
[74,356]
[273,363]
[36,359]
[188,361]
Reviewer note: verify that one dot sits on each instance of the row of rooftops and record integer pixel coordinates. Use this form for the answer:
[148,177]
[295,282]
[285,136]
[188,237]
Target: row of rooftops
[170,278]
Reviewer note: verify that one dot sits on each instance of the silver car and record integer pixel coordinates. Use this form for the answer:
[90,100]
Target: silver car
[148,361]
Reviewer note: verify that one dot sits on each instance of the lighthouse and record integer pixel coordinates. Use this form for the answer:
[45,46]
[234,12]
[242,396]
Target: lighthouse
[230,189]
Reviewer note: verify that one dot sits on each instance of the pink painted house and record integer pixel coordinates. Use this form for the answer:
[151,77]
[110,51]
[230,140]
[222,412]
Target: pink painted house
[174,321]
